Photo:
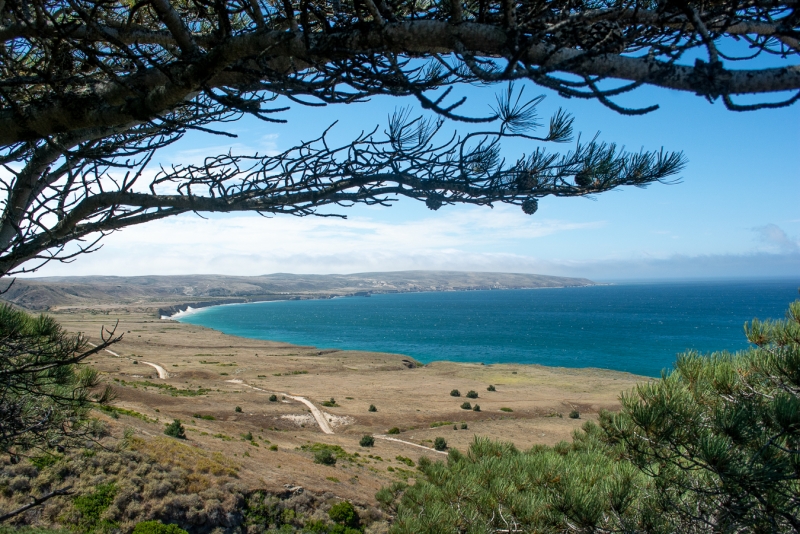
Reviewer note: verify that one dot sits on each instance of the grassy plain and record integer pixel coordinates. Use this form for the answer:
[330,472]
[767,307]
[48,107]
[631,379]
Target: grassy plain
[211,374]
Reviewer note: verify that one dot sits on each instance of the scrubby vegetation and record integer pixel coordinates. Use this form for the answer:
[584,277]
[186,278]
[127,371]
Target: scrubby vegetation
[491,388]
[372,408]
[574,414]
[330,403]
[367,441]
[472,394]
[711,447]
[393,430]
[455,393]
[116,489]
[439,444]
[273,398]
[466,406]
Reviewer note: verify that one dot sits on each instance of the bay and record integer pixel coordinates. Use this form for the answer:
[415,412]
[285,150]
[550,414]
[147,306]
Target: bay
[637,328]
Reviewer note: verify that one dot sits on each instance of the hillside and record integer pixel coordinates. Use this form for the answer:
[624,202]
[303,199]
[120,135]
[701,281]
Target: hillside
[170,294]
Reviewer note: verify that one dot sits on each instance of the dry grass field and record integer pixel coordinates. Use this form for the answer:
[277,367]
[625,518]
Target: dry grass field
[211,374]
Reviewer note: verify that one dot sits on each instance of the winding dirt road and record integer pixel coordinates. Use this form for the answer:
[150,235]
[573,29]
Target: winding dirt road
[316,412]
[162,373]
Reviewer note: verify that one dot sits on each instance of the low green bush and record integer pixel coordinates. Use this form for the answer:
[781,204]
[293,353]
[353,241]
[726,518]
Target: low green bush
[440,444]
[506,409]
[157,527]
[463,426]
[472,394]
[330,404]
[372,408]
[367,441]
[491,388]
[273,398]
[238,409]
[175,430]
[92,505]
[344,513]
[394,430]
[466,406]
[476,408]
[574,414]
[455,393]
[324,457]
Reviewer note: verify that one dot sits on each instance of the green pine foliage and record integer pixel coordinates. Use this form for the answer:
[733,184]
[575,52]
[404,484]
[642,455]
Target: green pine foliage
[44,395]
[714,446]
[721,434]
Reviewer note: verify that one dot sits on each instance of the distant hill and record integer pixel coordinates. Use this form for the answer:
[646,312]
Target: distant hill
[174,293]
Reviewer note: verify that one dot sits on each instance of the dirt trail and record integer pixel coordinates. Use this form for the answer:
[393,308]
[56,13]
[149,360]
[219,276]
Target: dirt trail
[316,412]
[387,438]
[162,373]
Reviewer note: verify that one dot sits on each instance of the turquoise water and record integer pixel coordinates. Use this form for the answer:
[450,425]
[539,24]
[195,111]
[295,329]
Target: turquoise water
[637,328]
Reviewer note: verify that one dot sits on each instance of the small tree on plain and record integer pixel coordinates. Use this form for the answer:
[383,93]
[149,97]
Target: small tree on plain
[175,430]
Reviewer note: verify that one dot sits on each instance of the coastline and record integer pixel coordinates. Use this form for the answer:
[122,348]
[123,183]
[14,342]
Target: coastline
[179,310]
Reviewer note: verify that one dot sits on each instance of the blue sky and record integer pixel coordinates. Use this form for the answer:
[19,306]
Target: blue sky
[735,213]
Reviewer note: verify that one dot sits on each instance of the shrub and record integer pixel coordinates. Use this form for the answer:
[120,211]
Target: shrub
[157,527]
[476,408]
[506,409]
[574,414]
[491,388]
[330,404]
[408,461]
[92,505]
[273,447]
[344,513]
[472,394]
[175,430]
[273,398]
[466,406]
[324,457]
[440,444]
[248,436]
[238,409]
[463,426]
[372,408]
[455,393]
[394,430]
[367,441]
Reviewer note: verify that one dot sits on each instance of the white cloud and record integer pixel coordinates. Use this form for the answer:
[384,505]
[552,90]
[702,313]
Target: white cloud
[246,244]
[775,238]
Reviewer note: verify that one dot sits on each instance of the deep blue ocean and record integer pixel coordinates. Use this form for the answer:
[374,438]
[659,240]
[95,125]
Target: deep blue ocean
[637,328]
